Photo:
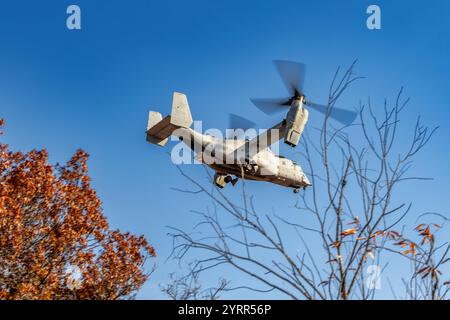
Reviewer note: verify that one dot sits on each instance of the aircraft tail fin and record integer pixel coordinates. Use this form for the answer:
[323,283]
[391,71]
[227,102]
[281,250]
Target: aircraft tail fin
[181,114]
[159,129]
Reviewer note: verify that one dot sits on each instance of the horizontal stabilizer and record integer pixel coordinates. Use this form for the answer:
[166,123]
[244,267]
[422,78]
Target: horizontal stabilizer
[159,129]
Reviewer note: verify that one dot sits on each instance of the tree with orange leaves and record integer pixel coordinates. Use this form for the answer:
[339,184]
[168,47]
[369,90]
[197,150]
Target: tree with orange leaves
[55,242]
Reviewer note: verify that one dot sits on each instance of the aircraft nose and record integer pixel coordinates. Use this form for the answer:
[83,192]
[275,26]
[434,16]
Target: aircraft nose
[302,179]
[306,180]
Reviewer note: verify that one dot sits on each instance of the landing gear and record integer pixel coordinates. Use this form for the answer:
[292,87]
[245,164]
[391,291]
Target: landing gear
[296,190]
[220,180]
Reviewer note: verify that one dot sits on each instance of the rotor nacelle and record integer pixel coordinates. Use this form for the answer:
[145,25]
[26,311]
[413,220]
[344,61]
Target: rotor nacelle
[296,119]
[293,75]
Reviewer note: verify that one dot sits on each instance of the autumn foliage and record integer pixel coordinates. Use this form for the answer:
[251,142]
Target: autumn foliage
[55,242]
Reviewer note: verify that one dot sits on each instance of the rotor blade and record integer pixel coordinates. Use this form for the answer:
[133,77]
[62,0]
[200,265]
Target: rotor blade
[271,106]
[345,117]
[292,74]
[237,126]
[238,122]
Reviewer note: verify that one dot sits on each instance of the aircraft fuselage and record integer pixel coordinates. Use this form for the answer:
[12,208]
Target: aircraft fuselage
[229,157]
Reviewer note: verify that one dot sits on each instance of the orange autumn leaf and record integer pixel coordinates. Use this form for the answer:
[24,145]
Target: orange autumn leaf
[354,221]
[348,232]
[402,243]
[336,244]
[393,235]
[411,250]
[420,226]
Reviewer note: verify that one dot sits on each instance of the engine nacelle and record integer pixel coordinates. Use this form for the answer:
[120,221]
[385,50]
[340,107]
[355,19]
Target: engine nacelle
[295,122]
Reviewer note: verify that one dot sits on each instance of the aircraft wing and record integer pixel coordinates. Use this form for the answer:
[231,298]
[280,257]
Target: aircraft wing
[266,138]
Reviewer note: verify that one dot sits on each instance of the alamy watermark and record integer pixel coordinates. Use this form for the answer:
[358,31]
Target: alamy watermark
[73,21]
[373,21]
[373,280]
[238,146]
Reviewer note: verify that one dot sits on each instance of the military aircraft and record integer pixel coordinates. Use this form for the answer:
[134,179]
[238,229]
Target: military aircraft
[250,159]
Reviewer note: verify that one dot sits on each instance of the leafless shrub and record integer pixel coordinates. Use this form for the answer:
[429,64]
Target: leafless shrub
[347,220]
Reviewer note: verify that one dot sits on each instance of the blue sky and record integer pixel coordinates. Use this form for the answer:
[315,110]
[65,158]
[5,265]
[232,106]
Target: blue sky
[92,88]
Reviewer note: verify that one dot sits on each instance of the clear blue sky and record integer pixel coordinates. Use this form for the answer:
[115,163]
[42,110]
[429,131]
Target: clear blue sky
[63,90]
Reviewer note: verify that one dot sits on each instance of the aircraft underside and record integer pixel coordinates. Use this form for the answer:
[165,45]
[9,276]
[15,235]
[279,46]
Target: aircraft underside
[247,172]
